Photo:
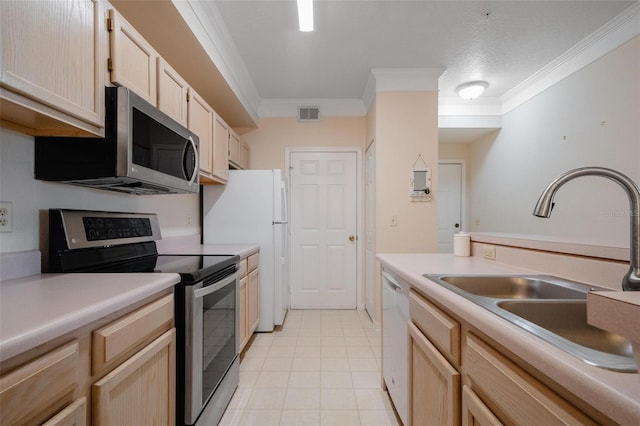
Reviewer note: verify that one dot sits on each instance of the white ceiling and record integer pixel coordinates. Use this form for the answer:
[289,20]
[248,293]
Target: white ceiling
[502,42]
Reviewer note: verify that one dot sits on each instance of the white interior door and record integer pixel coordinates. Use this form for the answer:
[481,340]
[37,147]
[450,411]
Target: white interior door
[323,221]
[450,203]
[370,230]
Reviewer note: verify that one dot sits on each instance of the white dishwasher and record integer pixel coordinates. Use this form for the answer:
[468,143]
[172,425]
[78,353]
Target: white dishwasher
[395,316]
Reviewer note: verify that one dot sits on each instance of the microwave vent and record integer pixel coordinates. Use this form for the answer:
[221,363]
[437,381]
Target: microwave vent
[307,113]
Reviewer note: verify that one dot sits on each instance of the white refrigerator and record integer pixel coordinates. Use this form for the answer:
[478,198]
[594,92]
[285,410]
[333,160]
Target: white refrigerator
[252,208]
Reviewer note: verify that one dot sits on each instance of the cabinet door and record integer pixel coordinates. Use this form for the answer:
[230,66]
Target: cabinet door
[434,385]
[235,149]
[141,391]
[254,301]
[200,121]
[220,149]
[244,334]
[172,92]
[133,61]
[52,66]
[474,412]
[244,161]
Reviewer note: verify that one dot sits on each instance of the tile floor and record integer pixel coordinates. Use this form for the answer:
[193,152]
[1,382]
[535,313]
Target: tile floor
[321,368]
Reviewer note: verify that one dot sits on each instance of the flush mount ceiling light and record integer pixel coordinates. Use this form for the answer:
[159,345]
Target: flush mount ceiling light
[305,15]
[472,89]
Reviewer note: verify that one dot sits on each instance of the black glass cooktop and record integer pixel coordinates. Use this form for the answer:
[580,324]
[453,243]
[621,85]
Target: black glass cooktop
[194,268]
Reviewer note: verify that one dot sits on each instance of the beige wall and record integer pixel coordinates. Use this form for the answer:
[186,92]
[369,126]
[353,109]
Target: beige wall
[406,127]
[453,151]
[269,140]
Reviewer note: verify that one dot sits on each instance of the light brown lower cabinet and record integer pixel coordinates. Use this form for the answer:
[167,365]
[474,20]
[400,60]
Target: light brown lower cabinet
[512,393]
[249,275]
[474,412]
[117,371]
[35,391]
[434,385]
[496,390]
[244,334]
[141,391]
[74,414]
[253,298]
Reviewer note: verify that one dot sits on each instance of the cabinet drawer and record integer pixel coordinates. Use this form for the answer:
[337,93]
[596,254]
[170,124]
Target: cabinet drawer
[35,391]
[511,393]
[124,335]
[243,268]
[253,261]
[442,330]
[73,415]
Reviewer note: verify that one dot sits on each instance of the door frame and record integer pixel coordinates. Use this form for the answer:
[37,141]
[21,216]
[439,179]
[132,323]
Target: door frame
[359,203]
[463,191]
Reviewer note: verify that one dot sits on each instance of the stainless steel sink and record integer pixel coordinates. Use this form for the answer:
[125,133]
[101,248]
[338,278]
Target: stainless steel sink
[549,307]
[517,287]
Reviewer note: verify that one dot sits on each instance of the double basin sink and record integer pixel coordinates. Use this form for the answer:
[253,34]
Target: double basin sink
[549,307]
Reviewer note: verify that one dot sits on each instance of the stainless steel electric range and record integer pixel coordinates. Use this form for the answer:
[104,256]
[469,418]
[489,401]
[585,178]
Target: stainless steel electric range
[206,300]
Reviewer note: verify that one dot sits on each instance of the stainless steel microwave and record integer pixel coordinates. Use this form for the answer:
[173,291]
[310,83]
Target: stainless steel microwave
[144,151]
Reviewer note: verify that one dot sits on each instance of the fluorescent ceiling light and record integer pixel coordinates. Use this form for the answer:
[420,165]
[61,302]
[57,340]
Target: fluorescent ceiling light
[472,89]
[305,15]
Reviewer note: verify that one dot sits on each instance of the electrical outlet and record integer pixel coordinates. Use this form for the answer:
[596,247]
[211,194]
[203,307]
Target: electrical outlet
[6,216]
[489,252]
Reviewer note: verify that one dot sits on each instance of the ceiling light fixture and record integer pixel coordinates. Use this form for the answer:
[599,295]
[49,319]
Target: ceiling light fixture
[305,15]
[472,89]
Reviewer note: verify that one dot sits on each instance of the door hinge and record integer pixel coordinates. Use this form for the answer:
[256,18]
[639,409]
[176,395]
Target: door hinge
[109,65]
[188,96]
[109,24]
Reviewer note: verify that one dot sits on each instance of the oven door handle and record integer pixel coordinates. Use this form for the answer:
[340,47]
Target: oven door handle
[215,287]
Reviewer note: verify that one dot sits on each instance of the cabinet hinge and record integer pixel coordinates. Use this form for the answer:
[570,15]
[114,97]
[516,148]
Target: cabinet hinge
[109,65]
[109,24]
[188,96]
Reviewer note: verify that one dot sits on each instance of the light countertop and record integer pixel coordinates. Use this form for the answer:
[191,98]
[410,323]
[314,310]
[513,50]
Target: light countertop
[242,250]
[617,395]
[42,307]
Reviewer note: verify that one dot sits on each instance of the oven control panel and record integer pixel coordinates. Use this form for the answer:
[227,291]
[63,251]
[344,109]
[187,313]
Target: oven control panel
[106,228]
[76,229]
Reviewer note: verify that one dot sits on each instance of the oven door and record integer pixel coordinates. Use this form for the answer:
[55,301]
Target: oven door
[211,340]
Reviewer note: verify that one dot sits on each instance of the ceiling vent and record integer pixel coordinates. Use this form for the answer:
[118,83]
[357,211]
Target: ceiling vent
[309,113]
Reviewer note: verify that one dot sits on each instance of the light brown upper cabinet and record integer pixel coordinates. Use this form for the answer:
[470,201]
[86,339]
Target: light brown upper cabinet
[132,61]
[52,67]
[172,92]
[200,121]
[235,150]
[220,171]
[244,160]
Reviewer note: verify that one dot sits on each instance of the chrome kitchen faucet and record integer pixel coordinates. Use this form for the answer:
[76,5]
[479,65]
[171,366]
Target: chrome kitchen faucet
[631,281]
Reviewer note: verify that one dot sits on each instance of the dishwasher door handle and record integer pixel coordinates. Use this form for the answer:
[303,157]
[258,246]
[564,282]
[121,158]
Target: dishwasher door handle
[391,282]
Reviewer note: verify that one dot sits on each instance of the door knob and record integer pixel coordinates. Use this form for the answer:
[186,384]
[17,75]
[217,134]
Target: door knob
[352,238]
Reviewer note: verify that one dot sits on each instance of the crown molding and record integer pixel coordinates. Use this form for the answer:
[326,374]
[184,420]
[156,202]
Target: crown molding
[328,107]
[608,37]
[217,42]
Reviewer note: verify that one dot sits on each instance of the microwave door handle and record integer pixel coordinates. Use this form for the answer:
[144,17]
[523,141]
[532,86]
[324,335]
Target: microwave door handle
[196,165]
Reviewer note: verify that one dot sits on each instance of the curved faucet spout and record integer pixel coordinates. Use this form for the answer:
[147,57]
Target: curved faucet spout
[631,280]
